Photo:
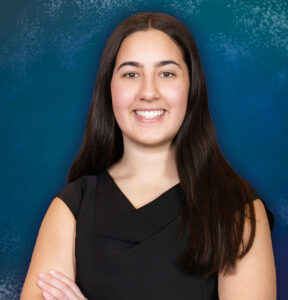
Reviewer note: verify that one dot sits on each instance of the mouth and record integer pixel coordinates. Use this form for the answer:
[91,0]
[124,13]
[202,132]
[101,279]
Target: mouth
[151,115]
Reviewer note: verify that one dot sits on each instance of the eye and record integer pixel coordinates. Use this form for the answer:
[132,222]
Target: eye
[168,74]
[130,75]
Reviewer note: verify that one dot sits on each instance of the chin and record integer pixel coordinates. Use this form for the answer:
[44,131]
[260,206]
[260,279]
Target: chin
[154,142]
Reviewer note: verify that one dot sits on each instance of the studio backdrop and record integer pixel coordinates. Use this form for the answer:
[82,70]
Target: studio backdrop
[49,56]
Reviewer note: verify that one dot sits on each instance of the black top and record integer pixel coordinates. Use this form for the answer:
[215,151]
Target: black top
[128,253]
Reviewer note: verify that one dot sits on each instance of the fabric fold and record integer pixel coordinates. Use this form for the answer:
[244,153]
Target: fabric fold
[133,253]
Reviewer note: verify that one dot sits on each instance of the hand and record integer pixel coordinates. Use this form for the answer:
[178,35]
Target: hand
[58,286]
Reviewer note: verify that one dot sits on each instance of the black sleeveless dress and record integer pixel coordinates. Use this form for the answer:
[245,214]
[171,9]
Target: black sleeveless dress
[128,253]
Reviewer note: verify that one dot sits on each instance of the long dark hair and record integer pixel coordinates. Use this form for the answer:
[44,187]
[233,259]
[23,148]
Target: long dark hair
[217,200]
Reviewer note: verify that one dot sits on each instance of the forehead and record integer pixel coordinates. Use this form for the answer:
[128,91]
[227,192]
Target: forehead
[148,44]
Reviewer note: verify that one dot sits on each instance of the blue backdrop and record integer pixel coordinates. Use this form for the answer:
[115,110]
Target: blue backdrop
[50,51]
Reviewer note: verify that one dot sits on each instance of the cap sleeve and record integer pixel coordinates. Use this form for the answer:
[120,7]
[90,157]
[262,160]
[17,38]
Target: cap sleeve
[71,195]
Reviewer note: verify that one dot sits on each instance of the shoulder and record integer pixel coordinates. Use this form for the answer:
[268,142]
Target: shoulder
[261,216]
[57,229]
[255,275]
[260,213]
[54,248]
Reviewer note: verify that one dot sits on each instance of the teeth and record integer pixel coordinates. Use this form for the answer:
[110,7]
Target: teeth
[149,114]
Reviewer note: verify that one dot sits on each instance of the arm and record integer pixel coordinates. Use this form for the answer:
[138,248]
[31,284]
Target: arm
[255,275]
[54,248]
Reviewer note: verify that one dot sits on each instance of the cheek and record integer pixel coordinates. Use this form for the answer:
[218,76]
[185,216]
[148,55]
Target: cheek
[177,94]
[121,100]
[121,92]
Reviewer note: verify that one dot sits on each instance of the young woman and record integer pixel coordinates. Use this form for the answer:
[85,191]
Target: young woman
[152,209]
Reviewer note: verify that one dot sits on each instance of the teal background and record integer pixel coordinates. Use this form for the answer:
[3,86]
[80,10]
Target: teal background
[49,55]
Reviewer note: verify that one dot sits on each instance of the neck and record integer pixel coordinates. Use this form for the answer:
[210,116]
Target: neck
[147,163]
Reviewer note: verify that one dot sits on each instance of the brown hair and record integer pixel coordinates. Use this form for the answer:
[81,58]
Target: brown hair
[217,200]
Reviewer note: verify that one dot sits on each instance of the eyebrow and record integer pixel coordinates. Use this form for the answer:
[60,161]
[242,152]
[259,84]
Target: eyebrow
[158,64]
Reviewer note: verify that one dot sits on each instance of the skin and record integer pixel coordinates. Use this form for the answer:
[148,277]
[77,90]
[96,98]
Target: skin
[149,86]
[255,274]
[148,160]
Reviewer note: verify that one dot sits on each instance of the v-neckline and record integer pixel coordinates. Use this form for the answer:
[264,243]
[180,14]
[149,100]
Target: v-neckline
[152,202]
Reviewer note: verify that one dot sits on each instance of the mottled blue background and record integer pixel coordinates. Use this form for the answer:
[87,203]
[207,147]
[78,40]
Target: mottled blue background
[50,51]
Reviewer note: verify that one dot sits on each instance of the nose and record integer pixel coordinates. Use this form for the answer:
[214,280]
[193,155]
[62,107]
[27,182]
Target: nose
[149,89]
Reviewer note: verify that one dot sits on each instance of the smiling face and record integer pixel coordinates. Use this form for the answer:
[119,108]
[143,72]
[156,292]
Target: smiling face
[149,74]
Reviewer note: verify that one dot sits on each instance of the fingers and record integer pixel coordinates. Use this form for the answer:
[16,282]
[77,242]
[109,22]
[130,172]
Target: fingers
[57,289]
[68,282]
[50,292]
[48,296]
